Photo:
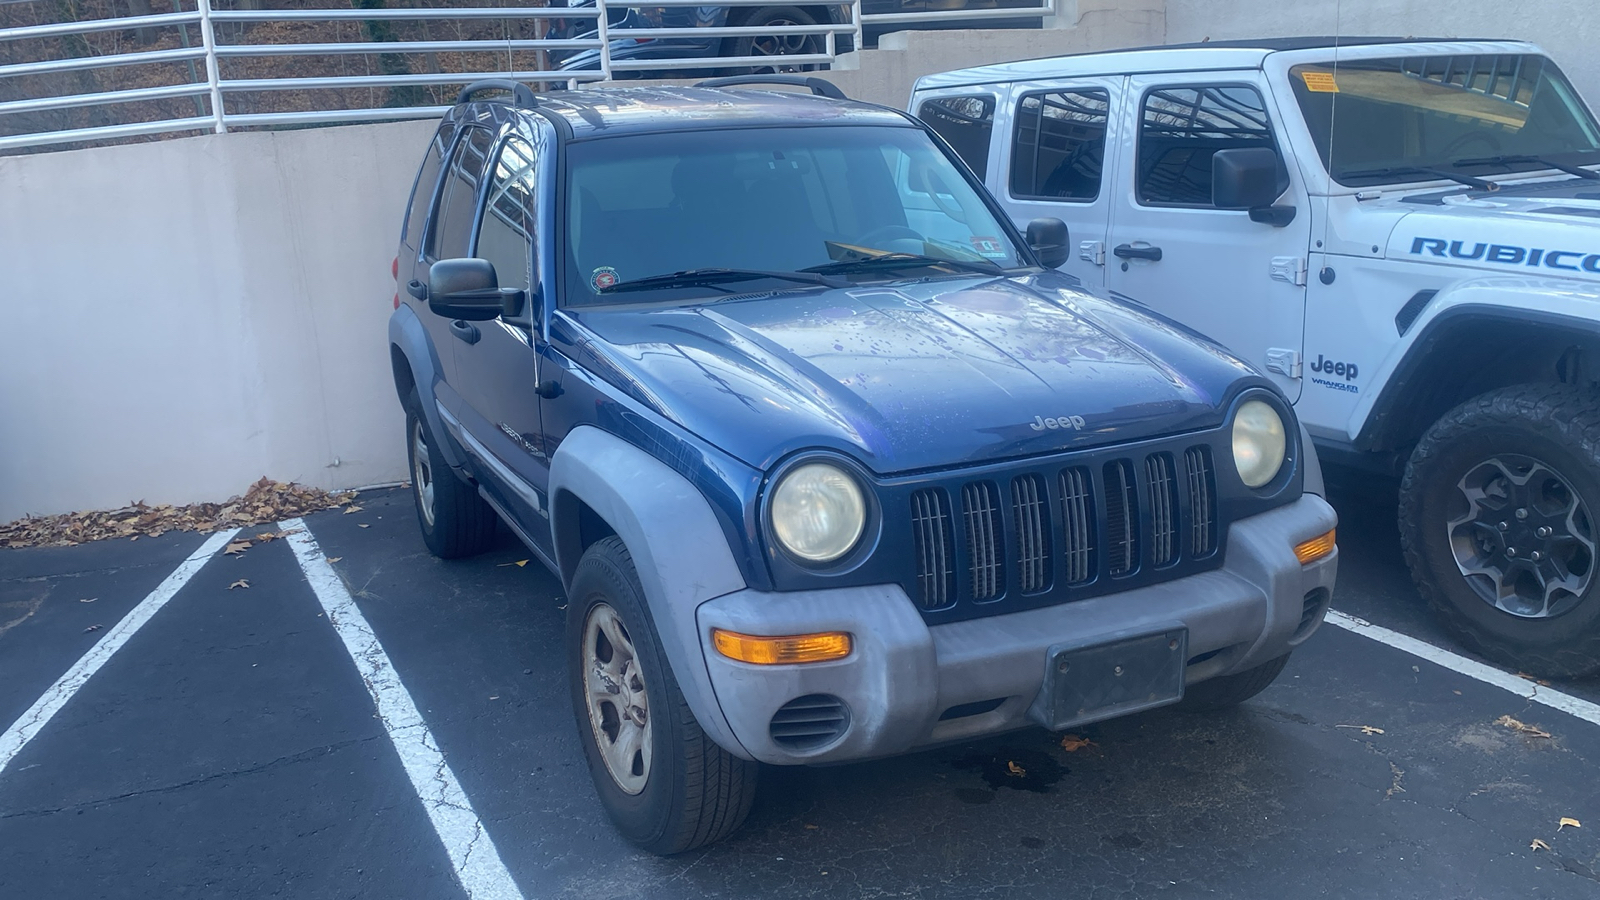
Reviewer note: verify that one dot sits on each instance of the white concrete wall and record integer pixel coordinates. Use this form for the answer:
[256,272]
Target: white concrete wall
[180,318]
[1564,28]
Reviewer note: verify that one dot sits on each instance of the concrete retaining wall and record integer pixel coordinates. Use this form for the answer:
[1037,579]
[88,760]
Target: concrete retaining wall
[180,318]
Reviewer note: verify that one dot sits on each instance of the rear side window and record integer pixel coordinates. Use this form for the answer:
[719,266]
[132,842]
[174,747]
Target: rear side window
[1181,127]
[458,199]
[966,124]
[506,236]
[1059,148]
[422,190]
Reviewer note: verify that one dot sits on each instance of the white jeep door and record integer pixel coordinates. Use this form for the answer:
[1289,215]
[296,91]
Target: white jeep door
[1054,158]
[1237,280]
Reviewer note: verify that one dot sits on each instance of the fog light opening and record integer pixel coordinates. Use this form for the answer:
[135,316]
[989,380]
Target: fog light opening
[781,650]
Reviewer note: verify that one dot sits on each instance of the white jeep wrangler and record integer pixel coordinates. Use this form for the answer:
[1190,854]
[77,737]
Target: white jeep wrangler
[1405,235]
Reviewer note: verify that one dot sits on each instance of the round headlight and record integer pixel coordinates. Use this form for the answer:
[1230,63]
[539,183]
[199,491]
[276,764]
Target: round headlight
[1258,442]
[818,512]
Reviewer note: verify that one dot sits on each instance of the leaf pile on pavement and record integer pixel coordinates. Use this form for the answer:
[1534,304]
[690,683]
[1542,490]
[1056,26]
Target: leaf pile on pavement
[266,501]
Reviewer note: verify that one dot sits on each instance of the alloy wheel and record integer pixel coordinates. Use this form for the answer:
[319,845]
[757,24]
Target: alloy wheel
[780,45]
[619,707]
[422,471]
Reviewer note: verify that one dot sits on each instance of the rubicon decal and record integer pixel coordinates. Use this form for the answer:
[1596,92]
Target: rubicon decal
[1508,254]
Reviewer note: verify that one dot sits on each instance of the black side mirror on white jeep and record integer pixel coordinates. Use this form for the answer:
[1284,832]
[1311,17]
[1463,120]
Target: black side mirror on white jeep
[1048,238]
[468,289]
[1248,178]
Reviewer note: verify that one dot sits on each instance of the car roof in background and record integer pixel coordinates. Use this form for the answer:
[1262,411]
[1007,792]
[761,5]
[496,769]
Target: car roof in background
[635,110]
[1209,55]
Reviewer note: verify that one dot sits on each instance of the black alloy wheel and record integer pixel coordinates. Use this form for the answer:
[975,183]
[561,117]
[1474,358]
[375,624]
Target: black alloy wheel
[776,45]
[1497,524]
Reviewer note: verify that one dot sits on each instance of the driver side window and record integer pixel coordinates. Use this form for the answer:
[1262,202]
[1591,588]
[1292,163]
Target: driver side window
[1181,128]
[510,215]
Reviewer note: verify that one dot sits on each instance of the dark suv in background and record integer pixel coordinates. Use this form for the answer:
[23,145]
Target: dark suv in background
[831,462]
[622,19]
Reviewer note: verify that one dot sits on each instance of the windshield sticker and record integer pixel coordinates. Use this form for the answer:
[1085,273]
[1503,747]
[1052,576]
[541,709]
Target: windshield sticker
[603,277]
[988,247]
[1320,82]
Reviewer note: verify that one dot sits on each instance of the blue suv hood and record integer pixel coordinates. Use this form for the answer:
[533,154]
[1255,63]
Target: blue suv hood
[914,376]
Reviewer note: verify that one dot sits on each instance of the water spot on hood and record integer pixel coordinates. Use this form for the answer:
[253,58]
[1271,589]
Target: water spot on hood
[835,312]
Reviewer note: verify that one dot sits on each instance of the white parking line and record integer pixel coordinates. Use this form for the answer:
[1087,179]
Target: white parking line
[44,709]
[1522,687]
[472,853]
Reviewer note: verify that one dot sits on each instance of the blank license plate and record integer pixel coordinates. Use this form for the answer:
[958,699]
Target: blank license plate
[1087,684]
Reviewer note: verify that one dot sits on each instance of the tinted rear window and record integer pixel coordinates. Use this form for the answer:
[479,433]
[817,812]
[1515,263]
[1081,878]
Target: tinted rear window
[966,124]
[422,189]
[458,199]
[1059,147]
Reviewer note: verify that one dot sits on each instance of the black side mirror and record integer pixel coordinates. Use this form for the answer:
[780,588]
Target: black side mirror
[468,289]
[1050,242]
[1247,178]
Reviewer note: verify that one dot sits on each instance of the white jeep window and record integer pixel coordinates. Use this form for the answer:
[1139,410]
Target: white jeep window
[1393,120]
[1059,146]
[1182,127]
[966,124]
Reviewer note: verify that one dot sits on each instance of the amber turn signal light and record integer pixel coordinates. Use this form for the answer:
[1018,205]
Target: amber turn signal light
[1315,549]
[773,651]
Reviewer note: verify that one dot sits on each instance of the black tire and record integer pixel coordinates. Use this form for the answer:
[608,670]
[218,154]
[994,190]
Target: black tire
[694,792]
[1551,425]
[1231,690]
[773,45]
[459,523]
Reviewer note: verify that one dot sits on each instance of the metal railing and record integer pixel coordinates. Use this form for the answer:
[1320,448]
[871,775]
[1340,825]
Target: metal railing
[210,90]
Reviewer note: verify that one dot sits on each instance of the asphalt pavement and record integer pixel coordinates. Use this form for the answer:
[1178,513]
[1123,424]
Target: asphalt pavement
[232,748]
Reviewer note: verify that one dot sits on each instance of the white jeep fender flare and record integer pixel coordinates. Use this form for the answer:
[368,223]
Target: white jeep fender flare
[679,550]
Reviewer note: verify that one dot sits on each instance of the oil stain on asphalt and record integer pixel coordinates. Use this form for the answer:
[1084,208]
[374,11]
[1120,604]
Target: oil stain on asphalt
[1014,768]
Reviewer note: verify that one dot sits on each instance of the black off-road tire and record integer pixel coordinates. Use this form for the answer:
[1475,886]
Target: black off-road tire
[696,792]
[1231,690]
[1558,425]
[460,523]
[765,15]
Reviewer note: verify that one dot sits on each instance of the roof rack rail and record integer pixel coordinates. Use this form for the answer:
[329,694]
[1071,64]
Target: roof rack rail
[818,86]
[521,94]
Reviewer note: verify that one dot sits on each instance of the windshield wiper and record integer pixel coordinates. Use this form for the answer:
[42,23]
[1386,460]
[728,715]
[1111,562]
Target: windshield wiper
[1524,158]
[904,261]
[1467,180]
[712,278]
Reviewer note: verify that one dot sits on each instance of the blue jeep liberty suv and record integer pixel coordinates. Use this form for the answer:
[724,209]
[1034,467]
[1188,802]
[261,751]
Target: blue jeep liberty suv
[831,463]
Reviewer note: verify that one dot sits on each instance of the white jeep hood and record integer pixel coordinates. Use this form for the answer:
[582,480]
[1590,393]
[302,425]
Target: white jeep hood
[1541,228]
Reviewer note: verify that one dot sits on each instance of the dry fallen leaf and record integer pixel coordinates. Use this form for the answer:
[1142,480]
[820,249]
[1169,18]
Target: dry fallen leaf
[1538,844]
[241,583]
[334,559]
[813,827]
[98,627]
[362,525]
[1014,770]
[519,564]
[1073,743]
[236,547]
[267,536]
[352,508]
[1569,821]
[1365,729]
[1529,730]
[89,600]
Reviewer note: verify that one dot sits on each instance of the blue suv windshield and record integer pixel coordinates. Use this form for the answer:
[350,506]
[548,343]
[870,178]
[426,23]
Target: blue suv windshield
[856,203]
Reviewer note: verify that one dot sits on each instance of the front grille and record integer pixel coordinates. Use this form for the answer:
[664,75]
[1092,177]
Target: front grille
[1163,490]
[809,722]
[1030,514]
[980,511]
[1053,535]
[1122,518]
[934,536]
[1077,525]
[1202,502]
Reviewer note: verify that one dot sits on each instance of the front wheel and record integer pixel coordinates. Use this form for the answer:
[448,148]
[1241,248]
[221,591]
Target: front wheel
[776,45]
[666,785]
[1496,520]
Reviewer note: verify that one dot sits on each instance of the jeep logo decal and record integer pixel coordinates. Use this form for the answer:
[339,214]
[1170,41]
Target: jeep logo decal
[1041,424]
[1347,371]
[1506,254]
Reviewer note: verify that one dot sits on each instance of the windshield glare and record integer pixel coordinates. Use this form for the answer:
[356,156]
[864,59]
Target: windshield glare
[1452,113]
[776,199]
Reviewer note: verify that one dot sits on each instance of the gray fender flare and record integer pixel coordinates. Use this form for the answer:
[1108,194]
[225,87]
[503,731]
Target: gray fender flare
[678,548]
[1311,466]
[407,333]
